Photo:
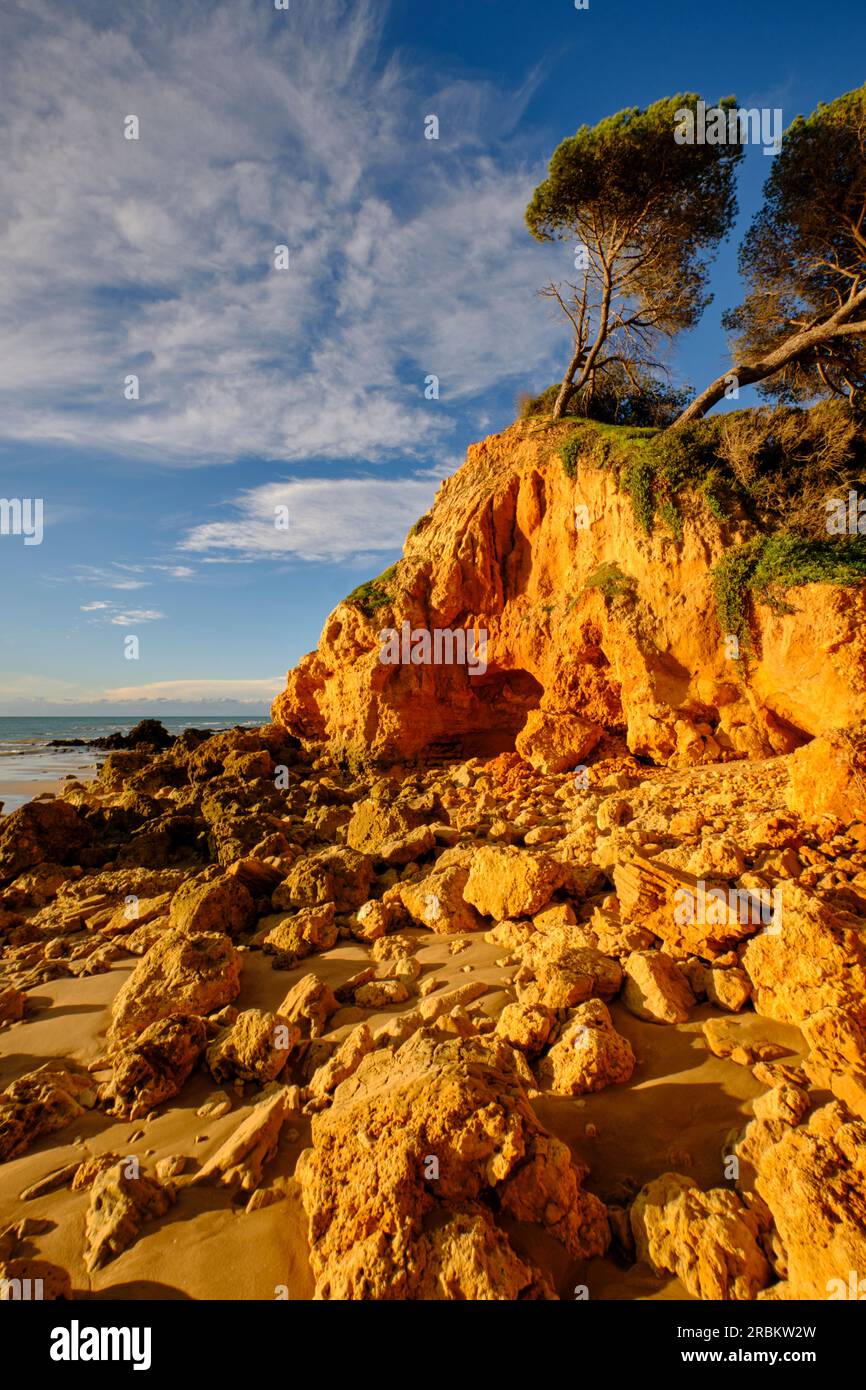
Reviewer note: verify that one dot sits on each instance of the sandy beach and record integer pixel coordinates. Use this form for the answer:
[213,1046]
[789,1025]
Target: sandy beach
[209,1247]
[14,792]
[482,991]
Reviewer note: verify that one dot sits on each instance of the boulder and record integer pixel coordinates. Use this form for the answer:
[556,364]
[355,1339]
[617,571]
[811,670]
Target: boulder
[656,989]
[291,938]
[120,1203]
[526,1026]
[335,875]
[374,823]
[828,776]
[343,1062]
[505,881]
[691,915]
[837,1056]
[730,988]
[415,1146]
[255,1047]
[437,901]
[179,974]
[554,743]
[241,1160]
[308,1005]
[213,904]
[812,1179]
[588,1055]
[12,1002]
[154,1067]
[711,1241]
[815,959]
[40,832]
[559,975]
[41,1102]
[52,1280]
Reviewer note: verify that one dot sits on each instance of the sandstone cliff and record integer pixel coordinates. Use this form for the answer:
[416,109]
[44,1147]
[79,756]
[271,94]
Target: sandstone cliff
[591,623]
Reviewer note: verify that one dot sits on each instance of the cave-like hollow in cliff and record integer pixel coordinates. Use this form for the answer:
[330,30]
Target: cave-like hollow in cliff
[503,699]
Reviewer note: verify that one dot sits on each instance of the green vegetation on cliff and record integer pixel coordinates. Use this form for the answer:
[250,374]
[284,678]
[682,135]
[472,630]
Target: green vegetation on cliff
[373,594]
[771,470]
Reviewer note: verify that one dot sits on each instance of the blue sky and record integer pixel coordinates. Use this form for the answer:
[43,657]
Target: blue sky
[304,388]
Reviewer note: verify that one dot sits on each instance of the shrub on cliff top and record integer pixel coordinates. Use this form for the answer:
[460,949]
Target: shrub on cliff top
[618,397]
[373,594]
[775,468]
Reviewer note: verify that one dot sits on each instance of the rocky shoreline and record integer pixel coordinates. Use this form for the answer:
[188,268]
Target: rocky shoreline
[434,1032]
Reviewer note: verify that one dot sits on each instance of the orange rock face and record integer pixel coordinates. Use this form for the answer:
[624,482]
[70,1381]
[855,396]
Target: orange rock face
[500,554]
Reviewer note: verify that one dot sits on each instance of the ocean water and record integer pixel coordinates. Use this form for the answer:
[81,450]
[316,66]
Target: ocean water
[25,755]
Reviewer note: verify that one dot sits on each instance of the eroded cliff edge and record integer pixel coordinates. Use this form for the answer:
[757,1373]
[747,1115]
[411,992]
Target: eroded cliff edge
[591,623]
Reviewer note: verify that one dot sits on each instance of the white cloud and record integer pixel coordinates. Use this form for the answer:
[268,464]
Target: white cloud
[132,616]
[328,519]
[234,690]
[29,693]
[154,256]
[117,575]
[121,617]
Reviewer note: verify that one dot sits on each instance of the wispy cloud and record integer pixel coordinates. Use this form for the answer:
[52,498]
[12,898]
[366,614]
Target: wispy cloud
[327,519]
[155,257]
[233,690]
[117,616]
[122,576]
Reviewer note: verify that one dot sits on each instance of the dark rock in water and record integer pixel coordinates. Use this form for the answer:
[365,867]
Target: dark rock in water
[147,733]
[151,732]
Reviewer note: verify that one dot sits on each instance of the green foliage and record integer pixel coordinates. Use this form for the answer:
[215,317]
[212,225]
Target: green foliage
[418,526]
[638,479]
[774,468]
[787,561]
[529,407]
[732,578]
[617,588]
[715,493]
[804,253]
[373,594]
[766,566]
[785,462]
[671,518]
[641,400]
[676,202]
[571,453]
[668,464]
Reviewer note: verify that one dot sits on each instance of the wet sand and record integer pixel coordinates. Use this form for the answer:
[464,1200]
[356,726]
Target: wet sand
[15,791]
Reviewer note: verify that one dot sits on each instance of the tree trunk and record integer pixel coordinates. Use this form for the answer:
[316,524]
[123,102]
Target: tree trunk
[601,335]
[797,345]
[565,388]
